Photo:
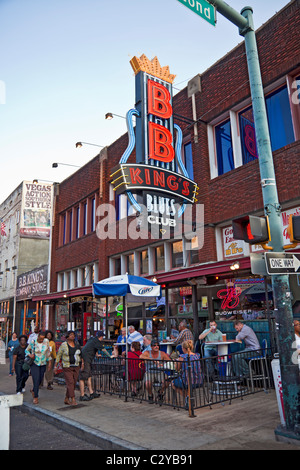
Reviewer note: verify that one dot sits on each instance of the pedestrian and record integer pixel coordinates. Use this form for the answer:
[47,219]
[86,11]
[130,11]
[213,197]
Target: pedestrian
[88,353]
[39,351]
[49,373]
[69,354]
[136,368]
[17,366]
[13,343]
[34,335]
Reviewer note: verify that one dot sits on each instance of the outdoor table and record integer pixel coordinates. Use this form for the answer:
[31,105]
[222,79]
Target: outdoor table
[166,346]
[223,350]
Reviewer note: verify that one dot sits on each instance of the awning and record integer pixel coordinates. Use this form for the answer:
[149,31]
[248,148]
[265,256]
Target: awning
[208,269]
[63,294]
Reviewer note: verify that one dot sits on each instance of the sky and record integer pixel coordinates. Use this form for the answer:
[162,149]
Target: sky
[65,63]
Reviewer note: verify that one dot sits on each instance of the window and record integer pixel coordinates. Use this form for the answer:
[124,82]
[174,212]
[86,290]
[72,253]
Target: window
[188,160]
[117,266]
[93,214]
[280,125]
[144,262]
[64,228]
[77,222]
[70,225]
[85,218]
[192,248]
[130,264]
[280,119]
[177,254]
[248,138]
[160,258]
[224,147]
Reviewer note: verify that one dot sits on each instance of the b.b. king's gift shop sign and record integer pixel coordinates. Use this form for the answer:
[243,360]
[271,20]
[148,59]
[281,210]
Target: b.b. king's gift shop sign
[157,182]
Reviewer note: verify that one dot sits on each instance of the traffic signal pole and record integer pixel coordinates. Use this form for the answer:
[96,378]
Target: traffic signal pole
[280,283]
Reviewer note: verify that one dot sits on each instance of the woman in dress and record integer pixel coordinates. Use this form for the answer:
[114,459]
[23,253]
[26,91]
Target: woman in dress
[69,354]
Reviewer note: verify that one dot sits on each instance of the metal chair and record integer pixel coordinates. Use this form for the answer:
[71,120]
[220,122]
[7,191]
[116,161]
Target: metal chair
[258,368]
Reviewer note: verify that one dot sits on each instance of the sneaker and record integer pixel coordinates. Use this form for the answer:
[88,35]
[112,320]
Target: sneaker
[94,395]
[85,398]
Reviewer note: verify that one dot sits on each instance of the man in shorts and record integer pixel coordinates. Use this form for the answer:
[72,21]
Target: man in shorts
[157,374]
[88,352]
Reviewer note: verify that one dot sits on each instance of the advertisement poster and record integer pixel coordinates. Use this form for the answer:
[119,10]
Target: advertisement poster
[36,212]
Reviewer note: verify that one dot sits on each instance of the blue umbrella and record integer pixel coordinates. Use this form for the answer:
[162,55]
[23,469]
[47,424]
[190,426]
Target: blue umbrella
[133,287]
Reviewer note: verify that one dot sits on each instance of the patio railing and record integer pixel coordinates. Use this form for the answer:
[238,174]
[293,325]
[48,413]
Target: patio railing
[189,384]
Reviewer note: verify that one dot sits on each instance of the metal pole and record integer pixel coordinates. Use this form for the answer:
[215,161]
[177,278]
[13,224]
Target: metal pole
[280,284]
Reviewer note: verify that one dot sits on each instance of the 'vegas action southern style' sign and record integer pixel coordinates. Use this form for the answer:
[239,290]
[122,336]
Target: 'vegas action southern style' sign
[158,181]
[36,210]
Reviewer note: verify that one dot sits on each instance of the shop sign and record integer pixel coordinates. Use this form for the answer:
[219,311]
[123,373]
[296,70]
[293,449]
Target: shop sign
[36,213]
[232,247]
[185,309]
[32,283]
[158,184]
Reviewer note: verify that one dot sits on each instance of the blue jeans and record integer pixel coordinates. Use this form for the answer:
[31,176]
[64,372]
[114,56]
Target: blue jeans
[211,364]
[37,374]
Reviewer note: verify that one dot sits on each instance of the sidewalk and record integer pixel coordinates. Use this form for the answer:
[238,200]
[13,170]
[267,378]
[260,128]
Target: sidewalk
[246,424]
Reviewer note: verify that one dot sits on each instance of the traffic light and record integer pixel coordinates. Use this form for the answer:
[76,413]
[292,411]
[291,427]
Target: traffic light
[294,228]
[253,230]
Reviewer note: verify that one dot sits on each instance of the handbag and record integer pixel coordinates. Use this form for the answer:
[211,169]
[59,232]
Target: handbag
[28,361]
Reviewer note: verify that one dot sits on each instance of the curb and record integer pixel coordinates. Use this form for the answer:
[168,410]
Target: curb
[88,434]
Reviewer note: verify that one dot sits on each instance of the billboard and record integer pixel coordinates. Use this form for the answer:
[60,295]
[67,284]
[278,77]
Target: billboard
[36,213]
[32,283]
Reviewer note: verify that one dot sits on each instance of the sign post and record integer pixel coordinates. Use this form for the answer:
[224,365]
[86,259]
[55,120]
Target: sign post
[280,282]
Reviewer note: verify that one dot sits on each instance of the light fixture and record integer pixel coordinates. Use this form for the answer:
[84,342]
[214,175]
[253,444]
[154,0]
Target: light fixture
[80,144]
[235,266]
[55,165]
[109,116]
[154,279]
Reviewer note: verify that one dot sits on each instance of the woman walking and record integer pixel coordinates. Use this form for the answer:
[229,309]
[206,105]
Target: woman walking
[39,351]
[17,366]
[13,343]
[70,355]
[49,373]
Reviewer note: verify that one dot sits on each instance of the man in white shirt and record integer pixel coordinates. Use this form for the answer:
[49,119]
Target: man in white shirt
[134,335]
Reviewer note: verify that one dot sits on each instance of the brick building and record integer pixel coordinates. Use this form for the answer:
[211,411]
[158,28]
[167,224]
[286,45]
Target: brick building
[220,150]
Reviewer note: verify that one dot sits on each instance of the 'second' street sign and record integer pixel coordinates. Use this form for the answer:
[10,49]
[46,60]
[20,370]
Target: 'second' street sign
[203,9]
[283,263]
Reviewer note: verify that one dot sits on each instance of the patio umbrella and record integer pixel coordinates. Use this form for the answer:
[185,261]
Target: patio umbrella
[131,288]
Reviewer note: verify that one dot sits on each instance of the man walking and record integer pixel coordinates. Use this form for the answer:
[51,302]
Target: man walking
[88,352]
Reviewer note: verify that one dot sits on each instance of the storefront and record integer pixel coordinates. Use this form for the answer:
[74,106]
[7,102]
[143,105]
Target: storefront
[6,319]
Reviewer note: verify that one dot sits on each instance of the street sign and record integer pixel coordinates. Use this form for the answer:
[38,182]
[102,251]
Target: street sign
[203,9]
[283,263]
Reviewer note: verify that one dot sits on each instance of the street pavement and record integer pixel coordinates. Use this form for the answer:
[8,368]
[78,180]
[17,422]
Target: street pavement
[113,424]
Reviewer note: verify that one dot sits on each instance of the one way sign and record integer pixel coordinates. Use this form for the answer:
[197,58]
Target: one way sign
[283,263]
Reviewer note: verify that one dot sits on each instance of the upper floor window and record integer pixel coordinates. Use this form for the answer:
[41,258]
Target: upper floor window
[280,119]
[224,148]
[188,159]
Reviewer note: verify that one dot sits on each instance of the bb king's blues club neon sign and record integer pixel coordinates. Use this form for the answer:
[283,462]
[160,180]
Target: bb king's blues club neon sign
[158,179]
